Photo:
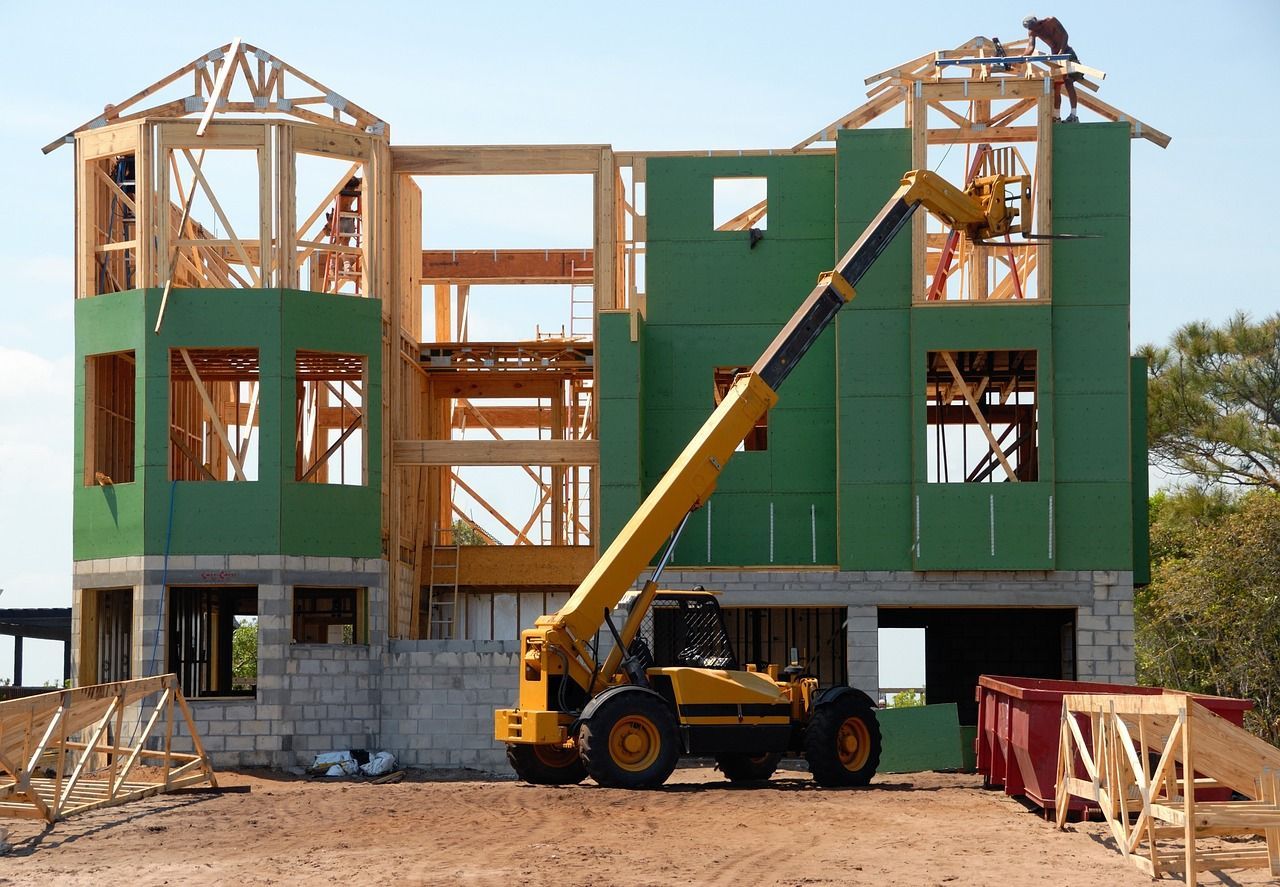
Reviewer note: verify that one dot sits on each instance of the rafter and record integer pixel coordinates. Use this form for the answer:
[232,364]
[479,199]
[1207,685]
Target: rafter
[211,95]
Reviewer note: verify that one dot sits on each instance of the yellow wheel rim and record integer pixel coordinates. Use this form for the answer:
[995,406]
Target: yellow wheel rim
[555,757]
[853,744]
[634,743]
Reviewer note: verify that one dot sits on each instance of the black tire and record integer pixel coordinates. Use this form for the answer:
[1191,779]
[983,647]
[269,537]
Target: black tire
[546,764]
[630,741]
[842,743]
[748,768]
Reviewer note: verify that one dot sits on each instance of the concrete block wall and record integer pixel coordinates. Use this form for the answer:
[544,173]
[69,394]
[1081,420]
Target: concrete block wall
[432,702]
[1103,600]
[438,699]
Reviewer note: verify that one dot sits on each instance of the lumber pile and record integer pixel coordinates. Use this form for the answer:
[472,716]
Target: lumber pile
[75,750]
[1145,758]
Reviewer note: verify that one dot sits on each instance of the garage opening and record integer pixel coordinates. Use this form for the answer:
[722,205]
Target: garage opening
[961,644]
[766,635]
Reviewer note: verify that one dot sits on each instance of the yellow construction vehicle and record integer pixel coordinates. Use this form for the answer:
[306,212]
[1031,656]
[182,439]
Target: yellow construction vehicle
[670,684]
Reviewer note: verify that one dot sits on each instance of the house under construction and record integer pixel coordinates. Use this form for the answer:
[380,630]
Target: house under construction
[282,417]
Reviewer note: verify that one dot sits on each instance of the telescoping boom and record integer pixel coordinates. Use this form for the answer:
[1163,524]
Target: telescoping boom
[627,718]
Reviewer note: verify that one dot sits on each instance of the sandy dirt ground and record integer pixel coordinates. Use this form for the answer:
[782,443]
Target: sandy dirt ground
[917,829]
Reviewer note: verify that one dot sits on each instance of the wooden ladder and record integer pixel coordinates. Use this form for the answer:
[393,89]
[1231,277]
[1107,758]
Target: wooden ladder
[442,598]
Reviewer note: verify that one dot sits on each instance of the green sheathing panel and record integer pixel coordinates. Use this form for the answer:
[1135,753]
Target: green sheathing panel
[715,301]
[873,372]
[986,526]
[1093,408]
[1138,470]
[618,402]
[924,737]
[107,521]
[272,514]
[337,520]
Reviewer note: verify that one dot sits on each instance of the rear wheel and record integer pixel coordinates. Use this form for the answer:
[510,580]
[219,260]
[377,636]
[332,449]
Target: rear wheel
[748,768]
[842,743]
[546,764]
[631,741]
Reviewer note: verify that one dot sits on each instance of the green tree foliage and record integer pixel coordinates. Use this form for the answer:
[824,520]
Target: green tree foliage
[244,654]
[468,534]
[1210,620]
[906,699]
[1214,402]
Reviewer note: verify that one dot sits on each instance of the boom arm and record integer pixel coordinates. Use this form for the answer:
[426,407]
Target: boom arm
[981,212]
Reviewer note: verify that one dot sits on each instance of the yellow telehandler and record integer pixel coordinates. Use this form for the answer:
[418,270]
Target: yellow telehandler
[670,684]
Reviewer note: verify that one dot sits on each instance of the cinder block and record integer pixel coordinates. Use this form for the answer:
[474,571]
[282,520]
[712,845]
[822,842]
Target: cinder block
[240,743]
[1089,622]
[1106,638]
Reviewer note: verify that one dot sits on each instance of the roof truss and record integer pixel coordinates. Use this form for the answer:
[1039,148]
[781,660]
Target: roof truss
[935,72]
[236,78]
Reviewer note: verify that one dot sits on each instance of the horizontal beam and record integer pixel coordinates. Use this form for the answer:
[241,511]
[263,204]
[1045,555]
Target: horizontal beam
[503,416]
[496,160]
[1003,60]
[493,266]
[496,452]
[507,567]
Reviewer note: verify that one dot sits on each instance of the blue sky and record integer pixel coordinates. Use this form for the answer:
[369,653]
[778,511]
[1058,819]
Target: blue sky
[654,75]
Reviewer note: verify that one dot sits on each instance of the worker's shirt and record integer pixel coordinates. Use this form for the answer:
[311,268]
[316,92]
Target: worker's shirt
[1050,30]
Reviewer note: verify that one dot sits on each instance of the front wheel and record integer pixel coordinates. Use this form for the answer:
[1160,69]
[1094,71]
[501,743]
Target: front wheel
[630,741]
[748,768]
[842,743]
[546,764]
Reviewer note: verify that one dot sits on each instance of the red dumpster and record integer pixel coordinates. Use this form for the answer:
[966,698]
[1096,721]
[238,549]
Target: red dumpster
[1018,722]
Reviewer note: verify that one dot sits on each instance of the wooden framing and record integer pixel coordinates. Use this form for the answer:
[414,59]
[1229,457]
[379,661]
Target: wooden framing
[265,82]
[47,773]
[360,234]
[1145,759]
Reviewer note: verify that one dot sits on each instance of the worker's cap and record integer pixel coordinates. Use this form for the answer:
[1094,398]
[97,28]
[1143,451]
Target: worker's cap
[1029,21]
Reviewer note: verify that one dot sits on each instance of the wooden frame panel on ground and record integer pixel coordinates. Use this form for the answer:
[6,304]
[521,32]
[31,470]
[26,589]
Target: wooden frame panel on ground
[36,739]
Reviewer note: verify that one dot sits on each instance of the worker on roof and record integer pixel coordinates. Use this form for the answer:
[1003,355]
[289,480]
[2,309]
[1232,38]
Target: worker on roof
[1050,30]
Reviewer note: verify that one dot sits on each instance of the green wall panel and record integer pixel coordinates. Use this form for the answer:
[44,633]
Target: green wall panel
[996,526]
[1138,471]
[1091,170]
[714,301]
[271,514]
[924,737]
[1093,438]
[1093,526]
[679,197]
[107,521]
[874,432]
[1091,350]
[874,357]
[971,327]
[869,168]
[875,526]
[1093,271]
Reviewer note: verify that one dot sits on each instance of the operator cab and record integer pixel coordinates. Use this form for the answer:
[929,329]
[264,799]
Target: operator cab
[681,629]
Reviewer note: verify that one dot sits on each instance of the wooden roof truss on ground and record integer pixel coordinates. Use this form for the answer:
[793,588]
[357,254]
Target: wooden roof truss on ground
[66,752]
[1146,758]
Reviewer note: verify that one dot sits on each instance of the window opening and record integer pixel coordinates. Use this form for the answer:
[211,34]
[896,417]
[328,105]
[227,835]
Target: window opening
[106,635]
[213,640]
[110,418]
[982,422]
[901,653]
[329,616]
[113,185]
[329,447]
[213,412]
[740,203]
